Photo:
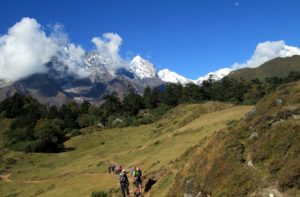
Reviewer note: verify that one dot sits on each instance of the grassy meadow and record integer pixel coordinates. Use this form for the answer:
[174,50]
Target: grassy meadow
[155,147]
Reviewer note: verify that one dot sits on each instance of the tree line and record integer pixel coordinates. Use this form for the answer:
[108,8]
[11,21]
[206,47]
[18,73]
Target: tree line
[40,128]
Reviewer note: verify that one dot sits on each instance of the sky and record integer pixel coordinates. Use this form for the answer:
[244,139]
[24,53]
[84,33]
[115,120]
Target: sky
[190,37]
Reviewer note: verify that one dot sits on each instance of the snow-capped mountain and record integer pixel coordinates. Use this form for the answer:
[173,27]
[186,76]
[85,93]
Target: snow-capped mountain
[217,75]
[172,77]
[98,63]
[142,68]
[92,77]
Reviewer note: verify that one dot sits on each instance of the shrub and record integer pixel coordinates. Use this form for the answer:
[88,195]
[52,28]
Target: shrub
[10,161]
[100,194]
[73,133]
[160,110]
[290,177]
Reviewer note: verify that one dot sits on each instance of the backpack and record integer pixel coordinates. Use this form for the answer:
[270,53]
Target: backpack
[137,173]
[120,168]
[123,179]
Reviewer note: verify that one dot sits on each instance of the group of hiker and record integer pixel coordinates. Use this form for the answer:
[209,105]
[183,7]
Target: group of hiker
[135,173]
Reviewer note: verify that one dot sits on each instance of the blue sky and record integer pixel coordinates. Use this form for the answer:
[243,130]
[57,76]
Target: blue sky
[187,36]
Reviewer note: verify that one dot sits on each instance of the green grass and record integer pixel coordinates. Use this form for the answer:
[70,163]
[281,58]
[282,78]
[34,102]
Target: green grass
[154,147]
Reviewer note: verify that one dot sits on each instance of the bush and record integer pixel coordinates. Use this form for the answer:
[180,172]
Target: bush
[141,120]
[100,194]
[160,110]
[10,161]
[290,177]
[73,133]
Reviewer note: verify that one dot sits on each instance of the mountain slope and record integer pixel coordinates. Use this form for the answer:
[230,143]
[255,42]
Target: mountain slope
[142,68]
[83,170]
[278,67]
[100,76]
[172,77]
[257,156]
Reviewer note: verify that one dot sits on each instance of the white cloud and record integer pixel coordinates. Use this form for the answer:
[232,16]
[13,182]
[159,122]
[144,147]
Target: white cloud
[24,50]
[108,47]
[70,57]
[266,51]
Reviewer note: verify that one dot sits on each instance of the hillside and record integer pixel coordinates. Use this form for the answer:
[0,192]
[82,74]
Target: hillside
[83,169]
[278,67]
[256,156]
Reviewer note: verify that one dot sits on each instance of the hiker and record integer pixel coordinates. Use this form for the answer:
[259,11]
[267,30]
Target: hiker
[131,170]
[124,183]
[137,175]
[114,168]
[110,168]
[119,169]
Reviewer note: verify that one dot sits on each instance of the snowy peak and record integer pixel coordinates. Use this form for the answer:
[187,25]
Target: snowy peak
[172,77]
[96,62]
[142,68]
[217,75]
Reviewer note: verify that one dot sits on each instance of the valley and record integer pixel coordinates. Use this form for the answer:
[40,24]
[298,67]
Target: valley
[155,147]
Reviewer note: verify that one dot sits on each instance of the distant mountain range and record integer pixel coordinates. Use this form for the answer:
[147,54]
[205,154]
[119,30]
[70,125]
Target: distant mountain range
[58,86]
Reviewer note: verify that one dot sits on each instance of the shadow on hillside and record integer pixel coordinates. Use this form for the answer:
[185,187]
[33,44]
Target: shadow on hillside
[68,149]
[149,184]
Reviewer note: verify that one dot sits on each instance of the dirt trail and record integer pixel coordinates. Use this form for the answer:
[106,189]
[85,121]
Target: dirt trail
[34,181]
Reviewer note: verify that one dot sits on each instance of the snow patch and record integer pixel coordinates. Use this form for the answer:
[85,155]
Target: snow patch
[172,77]
[217,75]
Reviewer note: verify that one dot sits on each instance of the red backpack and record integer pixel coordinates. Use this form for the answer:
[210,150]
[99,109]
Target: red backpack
[120,168]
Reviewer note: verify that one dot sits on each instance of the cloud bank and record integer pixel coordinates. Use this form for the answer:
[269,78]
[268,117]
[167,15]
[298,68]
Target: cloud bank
[266,51]
[109,45]
[24,50]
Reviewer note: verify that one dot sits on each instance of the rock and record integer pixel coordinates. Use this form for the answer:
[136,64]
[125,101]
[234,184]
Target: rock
[250,113]
[277,122]
[296,117]
[250,163]
[254,136]
[271,122]
[100,125]
[199,194]
[277,102]
[118,120]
